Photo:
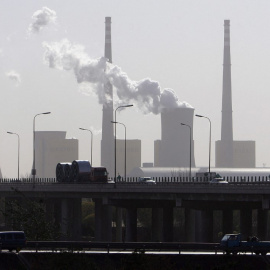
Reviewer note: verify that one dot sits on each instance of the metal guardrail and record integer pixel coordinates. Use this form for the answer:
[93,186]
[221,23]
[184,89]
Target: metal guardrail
[134,180]
[125,246]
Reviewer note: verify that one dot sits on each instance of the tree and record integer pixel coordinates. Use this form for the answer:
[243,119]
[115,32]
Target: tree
[29,215]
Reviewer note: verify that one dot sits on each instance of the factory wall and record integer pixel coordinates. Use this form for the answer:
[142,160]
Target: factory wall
[244,154]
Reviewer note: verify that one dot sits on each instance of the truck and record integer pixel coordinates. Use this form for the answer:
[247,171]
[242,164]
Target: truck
[98,174]
[80,171]
[233,244]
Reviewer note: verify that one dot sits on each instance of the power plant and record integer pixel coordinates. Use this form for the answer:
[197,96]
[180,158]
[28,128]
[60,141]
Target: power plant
[176,147]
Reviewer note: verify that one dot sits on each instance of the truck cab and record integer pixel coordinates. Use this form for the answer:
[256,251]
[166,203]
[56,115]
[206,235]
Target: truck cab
[231,240]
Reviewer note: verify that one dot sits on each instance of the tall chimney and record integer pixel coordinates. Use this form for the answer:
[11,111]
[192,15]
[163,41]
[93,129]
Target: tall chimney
[227,121]
[107,141]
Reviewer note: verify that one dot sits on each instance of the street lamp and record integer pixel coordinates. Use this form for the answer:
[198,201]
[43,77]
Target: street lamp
[18,151]
[122,106]
[198,115]
[189,149]
[91,142]
[34,150]
[125,146]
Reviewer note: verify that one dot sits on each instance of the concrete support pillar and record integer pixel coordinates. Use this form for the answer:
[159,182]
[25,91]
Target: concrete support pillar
[103,221]
[246,222]
[168,224]
[50,208]
[98,219]
[204,228]
[65,218]
[157,216]
[262,224]
[119,217]
[57,212]
[131,224]
[189,225]
[77,219]
[227,221]
[107,223]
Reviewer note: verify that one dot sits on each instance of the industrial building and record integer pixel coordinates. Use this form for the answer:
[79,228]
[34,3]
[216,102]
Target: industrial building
[132,150]
[52,147]
[175,138]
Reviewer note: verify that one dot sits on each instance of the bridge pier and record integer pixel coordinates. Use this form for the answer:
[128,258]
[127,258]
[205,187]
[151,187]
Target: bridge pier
[227,221]
[103,221]
[190,225]
[64,218]
[168,224]
[77,219]
[131,224]
[246,222]
[71,218]
[262,223]
[119,218]
[157,224]
[204,222]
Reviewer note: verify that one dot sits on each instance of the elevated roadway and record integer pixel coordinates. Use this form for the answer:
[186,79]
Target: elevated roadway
[198,199]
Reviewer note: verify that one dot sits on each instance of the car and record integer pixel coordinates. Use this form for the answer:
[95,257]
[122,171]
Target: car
[147,180]
[218,180]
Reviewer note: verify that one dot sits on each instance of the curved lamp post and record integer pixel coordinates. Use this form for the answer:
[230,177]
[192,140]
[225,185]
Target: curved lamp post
[91,142]
[122,106]
[18,151]
[198,115]
[34,150]
[189,149]
[125,146]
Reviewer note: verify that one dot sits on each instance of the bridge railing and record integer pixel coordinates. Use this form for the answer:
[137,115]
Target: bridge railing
[158,180]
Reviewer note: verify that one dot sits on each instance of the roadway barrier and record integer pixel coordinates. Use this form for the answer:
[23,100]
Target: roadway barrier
[127,246]
[159,180]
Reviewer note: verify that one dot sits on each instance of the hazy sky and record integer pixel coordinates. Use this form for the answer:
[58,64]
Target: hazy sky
[177,43]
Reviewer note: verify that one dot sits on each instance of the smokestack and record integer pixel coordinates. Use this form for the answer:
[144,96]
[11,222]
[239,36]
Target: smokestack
[227,121]
[107,142]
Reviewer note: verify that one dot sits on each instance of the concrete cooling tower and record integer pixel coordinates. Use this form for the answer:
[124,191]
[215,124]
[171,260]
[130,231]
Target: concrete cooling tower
[175,138]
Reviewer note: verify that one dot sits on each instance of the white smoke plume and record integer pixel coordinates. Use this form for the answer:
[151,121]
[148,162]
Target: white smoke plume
[14,76]
[41,18]
[145,93]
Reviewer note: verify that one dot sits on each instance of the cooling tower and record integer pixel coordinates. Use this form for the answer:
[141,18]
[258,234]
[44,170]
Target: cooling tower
[175,138]
[225,146]
[107,141]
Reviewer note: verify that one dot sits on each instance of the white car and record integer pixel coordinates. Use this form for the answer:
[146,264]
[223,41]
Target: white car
[219,180]
[147,180]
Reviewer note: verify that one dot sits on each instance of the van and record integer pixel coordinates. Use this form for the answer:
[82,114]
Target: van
[12,240]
